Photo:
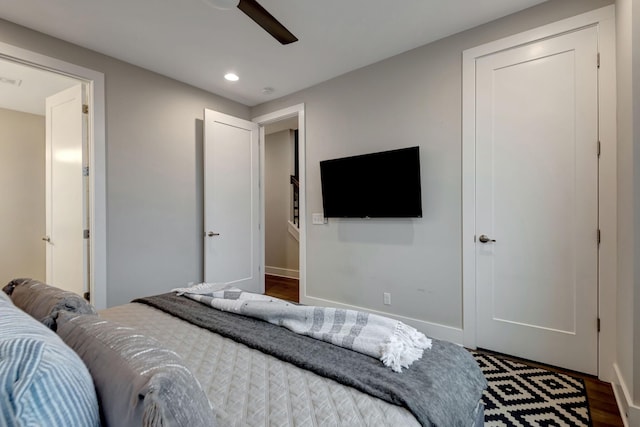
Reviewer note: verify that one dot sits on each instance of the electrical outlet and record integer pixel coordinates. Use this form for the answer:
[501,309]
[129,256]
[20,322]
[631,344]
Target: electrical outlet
[318,219]
[387,298]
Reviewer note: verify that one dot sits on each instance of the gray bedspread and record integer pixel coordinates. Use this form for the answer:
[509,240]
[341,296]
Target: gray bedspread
[441,389]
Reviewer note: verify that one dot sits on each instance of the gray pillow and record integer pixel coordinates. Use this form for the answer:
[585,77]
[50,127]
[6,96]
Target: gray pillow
[138,381]
[8,289]
[44,302]
[43,382]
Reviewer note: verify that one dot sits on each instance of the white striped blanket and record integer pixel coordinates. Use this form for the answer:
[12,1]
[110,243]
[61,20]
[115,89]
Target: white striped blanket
[396,344]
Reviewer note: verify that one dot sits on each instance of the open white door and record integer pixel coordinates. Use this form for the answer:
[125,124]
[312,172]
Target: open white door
[231,202]
[66,210]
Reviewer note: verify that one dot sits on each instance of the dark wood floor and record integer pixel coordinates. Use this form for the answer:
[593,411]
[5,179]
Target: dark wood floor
[282,287]
[602,403]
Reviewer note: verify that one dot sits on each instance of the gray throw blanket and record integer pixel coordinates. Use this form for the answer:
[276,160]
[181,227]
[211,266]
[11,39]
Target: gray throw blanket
[443,388]
[396,344]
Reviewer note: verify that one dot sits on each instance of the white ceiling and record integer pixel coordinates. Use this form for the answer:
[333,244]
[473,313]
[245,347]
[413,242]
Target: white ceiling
[34,85]
[197,44]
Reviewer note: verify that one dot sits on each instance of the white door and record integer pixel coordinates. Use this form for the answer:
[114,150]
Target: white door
[231,202]
[66,212]
[537,197]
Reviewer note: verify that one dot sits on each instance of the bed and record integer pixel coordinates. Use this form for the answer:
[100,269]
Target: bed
[248,384]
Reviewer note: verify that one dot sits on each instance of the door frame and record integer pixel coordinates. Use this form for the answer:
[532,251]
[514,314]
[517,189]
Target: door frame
[262,121]
[94,83]
[604,19]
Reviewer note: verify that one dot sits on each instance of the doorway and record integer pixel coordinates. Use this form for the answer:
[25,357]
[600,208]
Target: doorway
[29,117]
[94,84]
[293,225]
[281,209]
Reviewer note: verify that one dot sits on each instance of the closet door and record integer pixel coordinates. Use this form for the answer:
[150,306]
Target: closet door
[537,201]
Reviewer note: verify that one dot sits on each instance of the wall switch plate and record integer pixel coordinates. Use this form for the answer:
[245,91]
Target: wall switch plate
[318,219]
[387,298]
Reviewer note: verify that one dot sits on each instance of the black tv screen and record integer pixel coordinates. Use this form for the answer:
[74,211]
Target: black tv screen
[377,185]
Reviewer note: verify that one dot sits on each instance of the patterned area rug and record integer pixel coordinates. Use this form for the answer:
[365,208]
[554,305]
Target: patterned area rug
[519,395]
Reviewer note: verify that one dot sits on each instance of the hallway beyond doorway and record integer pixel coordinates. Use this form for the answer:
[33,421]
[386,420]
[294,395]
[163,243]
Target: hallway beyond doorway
[282,287]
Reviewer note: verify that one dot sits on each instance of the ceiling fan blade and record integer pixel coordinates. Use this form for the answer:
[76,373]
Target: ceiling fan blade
[271,25]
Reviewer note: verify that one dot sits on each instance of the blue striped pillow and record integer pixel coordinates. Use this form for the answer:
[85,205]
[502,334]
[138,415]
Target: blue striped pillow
[42,380]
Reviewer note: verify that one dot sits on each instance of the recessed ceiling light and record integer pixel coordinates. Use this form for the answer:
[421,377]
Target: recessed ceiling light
[232,77]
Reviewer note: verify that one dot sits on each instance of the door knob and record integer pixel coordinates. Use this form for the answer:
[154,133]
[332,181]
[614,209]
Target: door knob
[47,239]
[211,234]
[485,239]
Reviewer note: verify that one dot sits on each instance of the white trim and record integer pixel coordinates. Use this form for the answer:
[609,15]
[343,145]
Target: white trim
[285,113]
[262,219]
[282,272]
[593,17]
[629,412]
[607,199]
[97,177]
[434,330]
[604,19]
[293,230]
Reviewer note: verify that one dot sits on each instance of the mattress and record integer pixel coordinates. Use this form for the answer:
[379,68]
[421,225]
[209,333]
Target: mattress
[249,388]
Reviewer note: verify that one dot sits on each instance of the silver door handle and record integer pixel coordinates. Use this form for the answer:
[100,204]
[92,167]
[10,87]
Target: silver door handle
[47,239]
[485,239]
[211,234]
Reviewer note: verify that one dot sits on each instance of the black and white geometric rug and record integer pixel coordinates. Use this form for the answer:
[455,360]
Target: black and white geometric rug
[519,395]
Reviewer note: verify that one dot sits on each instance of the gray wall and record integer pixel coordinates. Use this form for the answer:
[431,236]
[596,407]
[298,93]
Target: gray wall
[411,99]
[154,168]
[281,249]
[628,298]
[634,337]
[22,196]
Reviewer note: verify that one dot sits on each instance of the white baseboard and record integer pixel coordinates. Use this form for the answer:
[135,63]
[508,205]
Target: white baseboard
[630,413]
[433,330]
[282,272]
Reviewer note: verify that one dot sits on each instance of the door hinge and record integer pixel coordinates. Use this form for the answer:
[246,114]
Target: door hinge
[599,148]
[599,238]
[85,171]
[598,60]
[85,109]
[598,324]
[85,234]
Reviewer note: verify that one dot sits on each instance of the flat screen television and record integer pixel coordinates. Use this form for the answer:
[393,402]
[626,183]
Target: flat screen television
[377,185]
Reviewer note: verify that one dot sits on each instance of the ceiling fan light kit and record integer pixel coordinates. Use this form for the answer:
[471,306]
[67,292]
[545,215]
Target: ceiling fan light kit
[259,15]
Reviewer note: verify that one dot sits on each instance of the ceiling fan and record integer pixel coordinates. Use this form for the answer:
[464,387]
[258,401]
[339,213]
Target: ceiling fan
[260,16]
